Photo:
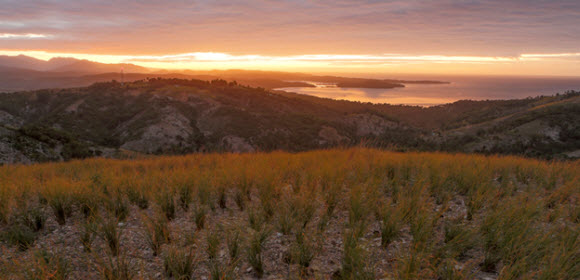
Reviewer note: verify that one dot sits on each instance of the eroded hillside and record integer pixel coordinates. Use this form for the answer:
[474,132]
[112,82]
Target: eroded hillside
[173,116]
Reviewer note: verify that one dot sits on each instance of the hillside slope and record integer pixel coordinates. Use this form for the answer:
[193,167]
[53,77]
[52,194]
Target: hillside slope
[173,116]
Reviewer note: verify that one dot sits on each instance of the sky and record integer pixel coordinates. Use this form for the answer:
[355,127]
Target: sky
[510,37]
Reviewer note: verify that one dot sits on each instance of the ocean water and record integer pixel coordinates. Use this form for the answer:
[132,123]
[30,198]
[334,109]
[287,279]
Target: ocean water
[459,88]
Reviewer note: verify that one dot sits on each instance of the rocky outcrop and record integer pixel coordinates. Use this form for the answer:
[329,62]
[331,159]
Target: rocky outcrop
[330,136]
[172,130]
[236,144]
[369,124]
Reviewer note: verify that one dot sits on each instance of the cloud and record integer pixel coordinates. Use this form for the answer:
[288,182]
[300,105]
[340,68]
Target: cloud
[329,32]
[474,28]
[23,36]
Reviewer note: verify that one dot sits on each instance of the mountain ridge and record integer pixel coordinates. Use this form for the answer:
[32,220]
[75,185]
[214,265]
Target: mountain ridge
[178,116]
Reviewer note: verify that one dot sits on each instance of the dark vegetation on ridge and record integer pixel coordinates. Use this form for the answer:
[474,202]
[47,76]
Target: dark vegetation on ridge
[177,116]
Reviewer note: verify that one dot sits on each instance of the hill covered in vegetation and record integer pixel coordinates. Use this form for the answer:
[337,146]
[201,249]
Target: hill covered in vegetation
[335,214]
[178,116]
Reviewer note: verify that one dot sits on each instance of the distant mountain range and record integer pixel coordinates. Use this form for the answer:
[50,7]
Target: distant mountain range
[19,73]
[66,64]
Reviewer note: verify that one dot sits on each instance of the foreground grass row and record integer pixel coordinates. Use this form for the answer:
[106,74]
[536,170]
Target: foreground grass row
[347,214]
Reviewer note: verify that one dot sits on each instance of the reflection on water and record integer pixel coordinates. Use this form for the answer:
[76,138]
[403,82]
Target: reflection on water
[460,88]
[370,95]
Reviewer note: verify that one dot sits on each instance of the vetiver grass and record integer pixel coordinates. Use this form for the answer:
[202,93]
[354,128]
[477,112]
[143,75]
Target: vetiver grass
[373,213]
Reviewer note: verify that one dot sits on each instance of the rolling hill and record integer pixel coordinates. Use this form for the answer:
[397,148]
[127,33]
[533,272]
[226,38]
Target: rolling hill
[177,116]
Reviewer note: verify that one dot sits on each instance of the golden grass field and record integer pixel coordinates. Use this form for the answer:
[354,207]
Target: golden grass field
[332,214]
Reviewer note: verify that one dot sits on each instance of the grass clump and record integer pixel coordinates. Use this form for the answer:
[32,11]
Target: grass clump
[157,233]
[34,218]
[19,235]
[222,272]
[213,244]
[302,251]
[233,241]
[256,245]
[138,197]
[390,226]
[109,232]
[179,263]
[118,207]
[185,193]
[199,213]
[115,268]
[354,260]
[47,265]
[88,234]
[166,203]
[61,204]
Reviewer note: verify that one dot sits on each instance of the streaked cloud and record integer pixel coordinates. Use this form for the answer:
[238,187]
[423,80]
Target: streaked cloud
[388,58]
[329,33]
[23,36]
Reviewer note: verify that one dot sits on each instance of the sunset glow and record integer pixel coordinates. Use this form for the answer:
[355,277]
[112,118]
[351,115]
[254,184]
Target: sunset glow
[450,37]
[328,62]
